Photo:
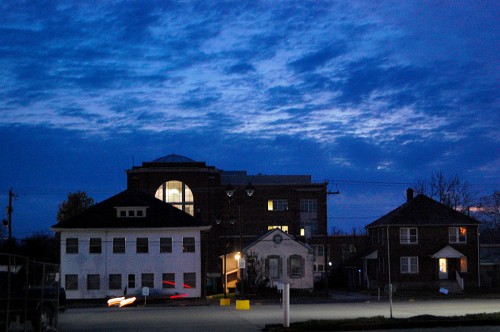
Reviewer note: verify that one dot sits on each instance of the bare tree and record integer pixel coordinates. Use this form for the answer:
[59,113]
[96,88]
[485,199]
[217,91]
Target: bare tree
[451,191]
[76,204]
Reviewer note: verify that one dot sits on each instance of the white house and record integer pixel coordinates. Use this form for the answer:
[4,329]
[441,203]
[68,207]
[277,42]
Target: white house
[276,258]
[130,241]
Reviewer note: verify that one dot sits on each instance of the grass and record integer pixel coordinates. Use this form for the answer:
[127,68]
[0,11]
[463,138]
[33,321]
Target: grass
[380,322]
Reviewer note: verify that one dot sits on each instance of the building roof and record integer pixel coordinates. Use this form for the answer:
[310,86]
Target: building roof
[423,211]
[104,215]
[242,178]
[173,158]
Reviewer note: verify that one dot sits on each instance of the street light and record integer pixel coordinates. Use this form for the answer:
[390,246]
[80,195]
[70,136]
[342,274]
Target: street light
[230,191]
[218,222]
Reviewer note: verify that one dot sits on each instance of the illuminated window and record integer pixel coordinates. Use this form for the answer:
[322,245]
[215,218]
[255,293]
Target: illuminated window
[93,281]
[189,280]
[118,245]
[142,245]
[165,244]
[148,280]
[71,282]
[408,235]
[283,228]
[458,234]
[115,281]
[463,264]
[95,245]
[188,244]
[72,245]
[409,265]
[168,280]
[277,205]
[308,205]
[178,194]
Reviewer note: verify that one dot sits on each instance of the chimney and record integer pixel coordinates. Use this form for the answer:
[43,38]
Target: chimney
[409,194]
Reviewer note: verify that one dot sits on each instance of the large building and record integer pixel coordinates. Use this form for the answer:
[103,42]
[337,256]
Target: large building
[223,211]
[255,204]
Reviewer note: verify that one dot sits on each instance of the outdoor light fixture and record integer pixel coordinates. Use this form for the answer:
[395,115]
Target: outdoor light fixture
[237,256]
[250,190]
[230,191]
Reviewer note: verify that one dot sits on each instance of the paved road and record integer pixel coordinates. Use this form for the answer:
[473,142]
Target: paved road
[215,318]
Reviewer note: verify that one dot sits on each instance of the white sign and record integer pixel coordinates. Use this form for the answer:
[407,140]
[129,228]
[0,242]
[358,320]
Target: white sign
[241,263]
[145,291]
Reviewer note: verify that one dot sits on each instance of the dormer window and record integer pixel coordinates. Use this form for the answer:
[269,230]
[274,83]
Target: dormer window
[131,212]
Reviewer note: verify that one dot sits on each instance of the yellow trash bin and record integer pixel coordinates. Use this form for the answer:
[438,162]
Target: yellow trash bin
[225,302]
[242,304]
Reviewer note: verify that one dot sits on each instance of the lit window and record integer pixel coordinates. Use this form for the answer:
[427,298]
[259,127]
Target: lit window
[408,235]
[277,205]
[72,245]
[409,265]
[463,264]
[178,194]
[283,228]
[458,234]
[115,281]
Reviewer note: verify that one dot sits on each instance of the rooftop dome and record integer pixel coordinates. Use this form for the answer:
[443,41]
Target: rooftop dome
[174,158]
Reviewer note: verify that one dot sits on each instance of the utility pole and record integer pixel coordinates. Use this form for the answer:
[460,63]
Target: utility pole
[326,251]
[9,213]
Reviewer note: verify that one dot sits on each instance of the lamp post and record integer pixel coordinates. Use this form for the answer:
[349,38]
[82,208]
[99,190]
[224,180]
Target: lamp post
[230,190]
[218,222]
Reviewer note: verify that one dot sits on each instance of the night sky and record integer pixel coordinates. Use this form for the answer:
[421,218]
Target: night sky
[367,95]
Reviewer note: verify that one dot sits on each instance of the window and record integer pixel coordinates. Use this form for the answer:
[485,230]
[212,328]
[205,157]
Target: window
[408,235]
[115,281]
[458,234]
[277,205]
[93,281]
[118,245]
[178,194]
[72,245]
[95,245]
[165,244]
[71,282]
[274,267]
[283,228]
[131,212]
[148,280]
[131,281]
[409,264]
[188,244]
[463,264]
[168,280]
[295,266]
[142,245]
[308,205]
[319,250]
[189,280]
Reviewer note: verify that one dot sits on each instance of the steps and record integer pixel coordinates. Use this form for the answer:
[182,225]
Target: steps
[451,285]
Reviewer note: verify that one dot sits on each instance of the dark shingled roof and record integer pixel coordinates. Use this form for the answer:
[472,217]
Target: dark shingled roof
[421,211]
[104,215]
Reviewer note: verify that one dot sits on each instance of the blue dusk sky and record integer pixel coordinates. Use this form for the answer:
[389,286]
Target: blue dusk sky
[367,95]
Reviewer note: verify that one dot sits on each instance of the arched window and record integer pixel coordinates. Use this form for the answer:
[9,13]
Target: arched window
[178,194]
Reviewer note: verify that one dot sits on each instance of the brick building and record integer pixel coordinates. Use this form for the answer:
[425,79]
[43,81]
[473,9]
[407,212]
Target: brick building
[293,203]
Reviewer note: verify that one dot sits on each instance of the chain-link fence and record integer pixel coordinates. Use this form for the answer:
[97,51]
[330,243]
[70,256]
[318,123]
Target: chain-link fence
[30,294]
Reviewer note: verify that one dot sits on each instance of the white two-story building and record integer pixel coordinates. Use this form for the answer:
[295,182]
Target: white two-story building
[127,242]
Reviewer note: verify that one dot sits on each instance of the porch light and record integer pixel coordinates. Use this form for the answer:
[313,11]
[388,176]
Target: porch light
[230,191]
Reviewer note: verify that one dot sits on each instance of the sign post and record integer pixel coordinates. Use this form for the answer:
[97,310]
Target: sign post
[145,293]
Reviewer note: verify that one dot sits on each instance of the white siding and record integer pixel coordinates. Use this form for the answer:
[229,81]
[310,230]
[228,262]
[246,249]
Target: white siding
[130,262]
